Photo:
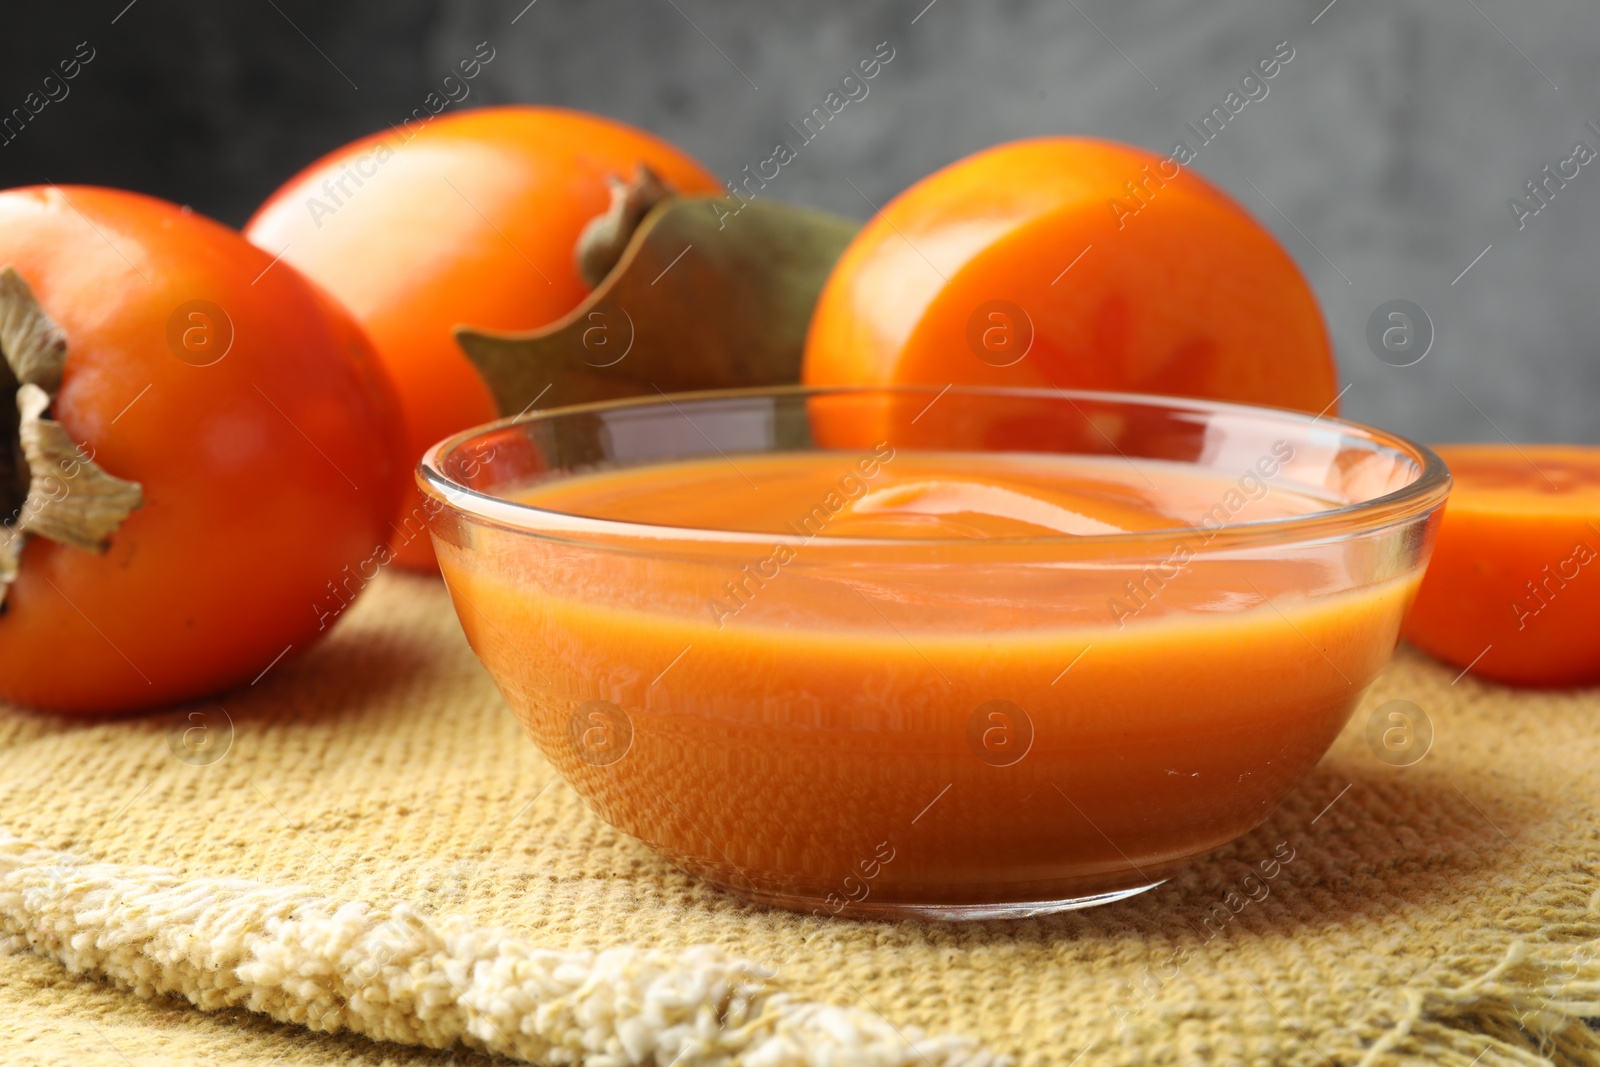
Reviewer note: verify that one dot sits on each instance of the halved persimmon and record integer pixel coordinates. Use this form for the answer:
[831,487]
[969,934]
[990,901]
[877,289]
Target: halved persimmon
[1072,263]
[1513,590]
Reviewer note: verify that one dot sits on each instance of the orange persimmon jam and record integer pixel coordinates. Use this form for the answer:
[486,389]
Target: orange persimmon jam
[952,683]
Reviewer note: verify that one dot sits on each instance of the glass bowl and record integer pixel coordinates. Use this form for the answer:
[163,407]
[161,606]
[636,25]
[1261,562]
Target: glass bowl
[939,728]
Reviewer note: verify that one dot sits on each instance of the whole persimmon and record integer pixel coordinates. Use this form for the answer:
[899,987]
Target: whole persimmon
[1513,590]
[202,454]
[470,219]
[1073,263]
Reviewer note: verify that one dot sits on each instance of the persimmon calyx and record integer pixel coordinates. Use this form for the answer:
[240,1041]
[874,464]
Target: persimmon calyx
[34,347]
[699,299]
[49,487]
[606,236]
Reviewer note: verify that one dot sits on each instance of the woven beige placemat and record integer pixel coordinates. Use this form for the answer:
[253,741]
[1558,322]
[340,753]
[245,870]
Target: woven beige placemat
[1442,913]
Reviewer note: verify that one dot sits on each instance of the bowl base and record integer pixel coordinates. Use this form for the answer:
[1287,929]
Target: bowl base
[892,911]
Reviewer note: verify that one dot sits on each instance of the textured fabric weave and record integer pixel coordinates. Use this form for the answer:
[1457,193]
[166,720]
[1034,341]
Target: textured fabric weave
[1446,912]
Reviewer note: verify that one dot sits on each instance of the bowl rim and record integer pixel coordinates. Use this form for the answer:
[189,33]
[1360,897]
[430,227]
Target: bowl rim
[1427,492]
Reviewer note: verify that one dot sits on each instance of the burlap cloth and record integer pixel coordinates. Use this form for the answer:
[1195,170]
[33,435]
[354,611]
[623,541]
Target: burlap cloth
[1433,913]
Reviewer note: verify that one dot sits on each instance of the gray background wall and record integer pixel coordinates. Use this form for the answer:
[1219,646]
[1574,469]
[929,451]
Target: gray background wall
[1390,144]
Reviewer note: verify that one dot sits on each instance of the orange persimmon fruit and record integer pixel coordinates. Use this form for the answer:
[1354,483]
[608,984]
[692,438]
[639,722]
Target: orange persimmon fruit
[251,412]
[1078,264]
[471,219]
[1513,590]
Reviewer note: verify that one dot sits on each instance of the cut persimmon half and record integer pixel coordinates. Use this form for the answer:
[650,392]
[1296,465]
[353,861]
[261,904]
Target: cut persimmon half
[1513,590]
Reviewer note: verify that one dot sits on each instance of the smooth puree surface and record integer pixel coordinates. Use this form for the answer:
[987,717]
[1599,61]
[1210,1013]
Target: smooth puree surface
[916,494]
[829,723]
